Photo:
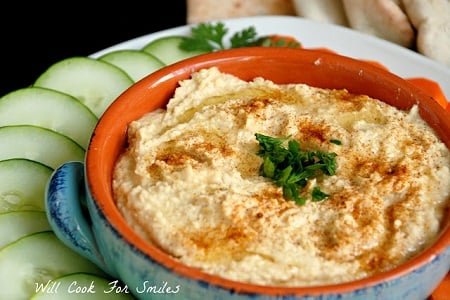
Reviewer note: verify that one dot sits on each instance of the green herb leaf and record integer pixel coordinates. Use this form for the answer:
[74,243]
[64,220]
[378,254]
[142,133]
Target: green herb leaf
[318,195]
[335,141]
[244,38]
[205,37]
[209,37]
[291,167]
[268,167]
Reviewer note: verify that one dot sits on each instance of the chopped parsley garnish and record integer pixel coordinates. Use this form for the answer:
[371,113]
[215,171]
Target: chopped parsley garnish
[210,37]
[335,141]
[290,167]
[318,195]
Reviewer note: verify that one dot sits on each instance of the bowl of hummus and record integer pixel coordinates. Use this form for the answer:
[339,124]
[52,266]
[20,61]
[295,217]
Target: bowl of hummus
[260,173]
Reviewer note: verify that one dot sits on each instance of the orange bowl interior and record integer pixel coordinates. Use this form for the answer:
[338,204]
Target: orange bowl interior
[281,65]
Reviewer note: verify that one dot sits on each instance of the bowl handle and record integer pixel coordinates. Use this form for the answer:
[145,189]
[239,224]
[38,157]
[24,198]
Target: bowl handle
[66,210]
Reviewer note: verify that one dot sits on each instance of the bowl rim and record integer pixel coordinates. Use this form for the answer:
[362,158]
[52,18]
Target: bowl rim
[183,69]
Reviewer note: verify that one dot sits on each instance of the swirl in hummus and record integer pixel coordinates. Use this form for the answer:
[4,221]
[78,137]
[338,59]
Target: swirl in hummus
[189,182]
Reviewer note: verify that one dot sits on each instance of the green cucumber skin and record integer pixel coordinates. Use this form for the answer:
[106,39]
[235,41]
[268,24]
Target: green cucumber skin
[22,184]
[33,260]
[166,49]
[136,63]
[49,109]
[93,82]
[39,144]
[17,224]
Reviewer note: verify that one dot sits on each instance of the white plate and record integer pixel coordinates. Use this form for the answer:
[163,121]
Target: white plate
[399,60]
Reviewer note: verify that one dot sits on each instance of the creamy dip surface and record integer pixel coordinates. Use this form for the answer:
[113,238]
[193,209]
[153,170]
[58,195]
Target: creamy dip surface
[189,182]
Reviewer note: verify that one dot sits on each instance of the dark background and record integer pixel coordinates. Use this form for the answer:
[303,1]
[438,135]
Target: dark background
[35,35]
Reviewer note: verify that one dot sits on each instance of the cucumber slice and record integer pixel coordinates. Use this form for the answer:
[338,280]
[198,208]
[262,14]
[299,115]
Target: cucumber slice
[39,144]
[167,50]
[34,260]
[49,109]
[94,82]
[79,286]
[17,224]
[22,185]
[137,64]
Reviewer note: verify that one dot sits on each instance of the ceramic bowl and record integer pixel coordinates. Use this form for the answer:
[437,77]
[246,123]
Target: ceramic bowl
[82,212]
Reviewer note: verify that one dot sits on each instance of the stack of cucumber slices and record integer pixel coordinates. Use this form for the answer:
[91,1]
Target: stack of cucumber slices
[41,127]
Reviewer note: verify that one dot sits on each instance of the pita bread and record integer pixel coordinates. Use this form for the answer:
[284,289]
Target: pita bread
[433,40]
[432,21]
[382,18]
[210,10]
[420,11]
[328,11]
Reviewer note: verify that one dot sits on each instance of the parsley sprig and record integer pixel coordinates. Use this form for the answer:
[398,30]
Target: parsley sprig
[290,167]
[209,37]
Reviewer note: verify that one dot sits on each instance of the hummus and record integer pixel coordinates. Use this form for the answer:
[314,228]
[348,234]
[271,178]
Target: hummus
[189,182]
